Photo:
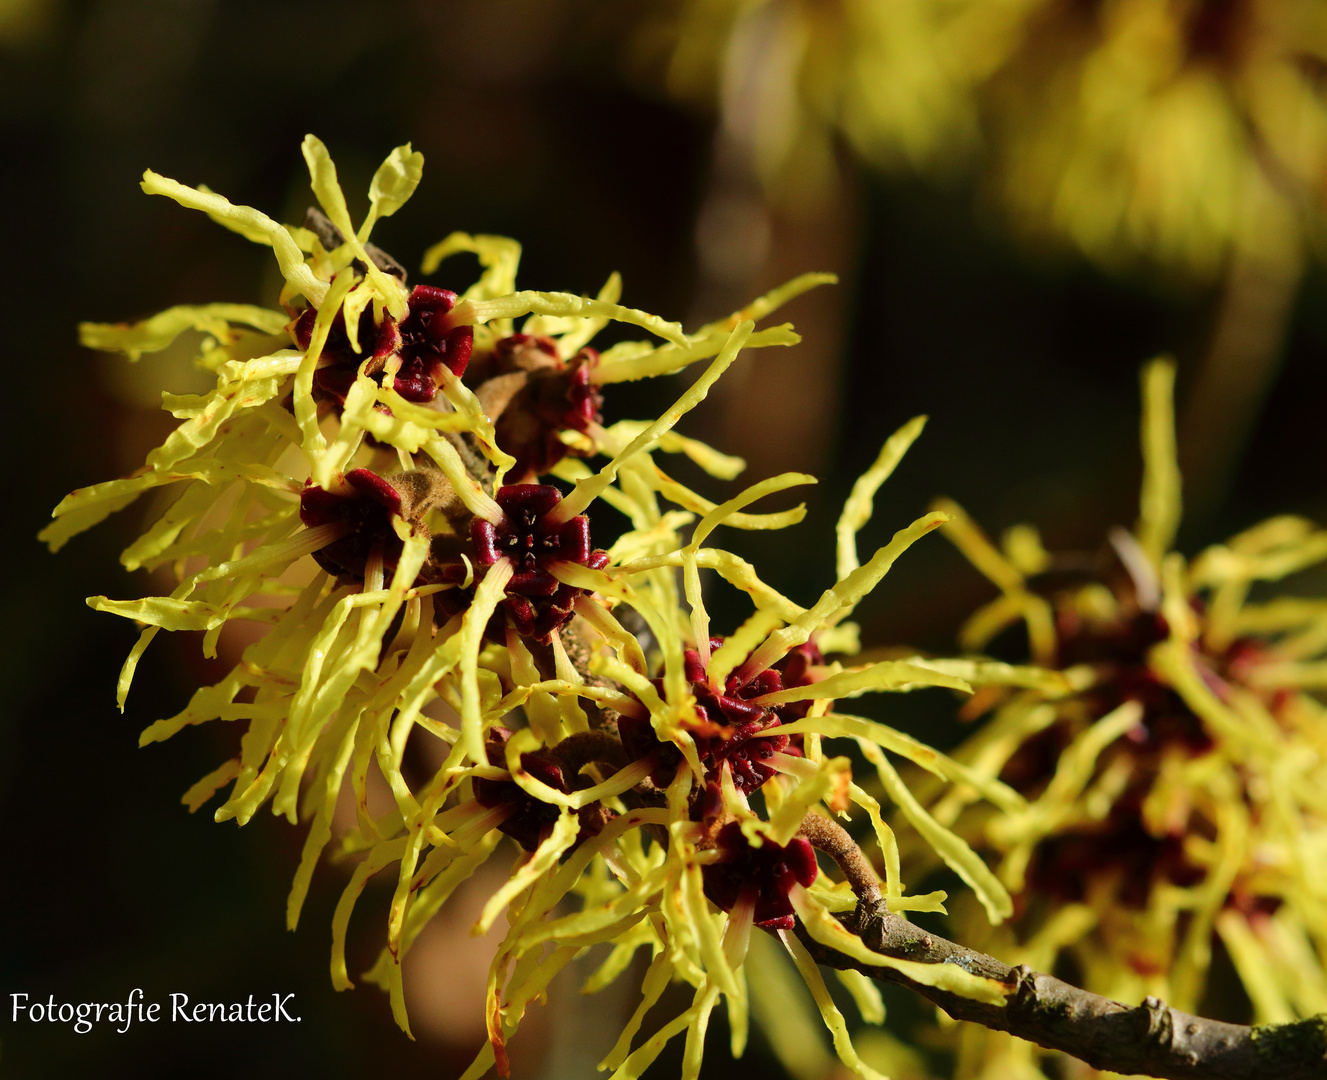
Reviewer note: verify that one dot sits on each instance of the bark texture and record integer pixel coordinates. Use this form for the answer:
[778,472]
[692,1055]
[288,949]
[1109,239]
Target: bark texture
[1151,1039]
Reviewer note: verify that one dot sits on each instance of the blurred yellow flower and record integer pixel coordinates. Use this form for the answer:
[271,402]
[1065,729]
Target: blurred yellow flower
[1174,131]
[1171,752]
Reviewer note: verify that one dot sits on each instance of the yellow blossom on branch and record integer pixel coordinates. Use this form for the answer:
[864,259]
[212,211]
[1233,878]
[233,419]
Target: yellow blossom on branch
[1169,752]
[370,481]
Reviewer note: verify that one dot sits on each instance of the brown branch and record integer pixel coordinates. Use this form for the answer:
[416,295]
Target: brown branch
[827,835]
[1151,1039]
[331,237]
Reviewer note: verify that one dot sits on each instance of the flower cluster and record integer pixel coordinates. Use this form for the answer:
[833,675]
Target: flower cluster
[1169,758]
[395,482]
[1171,133]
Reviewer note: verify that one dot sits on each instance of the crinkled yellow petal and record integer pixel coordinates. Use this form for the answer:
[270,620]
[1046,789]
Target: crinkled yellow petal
[637,362]
[719,465]
[733,569]
[829,775]
[956,853]
[829,1012]
[774,299]
[381,856]
[499,256]
[516,304]
[740,642]
[886,675]
[467,489]
[837,603]
[1159,501]
[865,995]
[587,491]
[994,673]
[158,332]
[326,189]
[544,858]
[967,536]
[573,333]
[210,784]
[392,185]
[657,978]
[673,491]
[620,958]
[859,728]
[1259,979]
[320,830]
[722,513]
[248,222]
[1073,771]
[857,510]
[644,1056]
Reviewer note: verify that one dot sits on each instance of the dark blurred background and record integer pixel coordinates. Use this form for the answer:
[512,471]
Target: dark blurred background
[1025,361]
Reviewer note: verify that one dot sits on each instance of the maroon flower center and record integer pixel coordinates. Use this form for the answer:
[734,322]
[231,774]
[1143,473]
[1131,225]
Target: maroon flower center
[530,539]
[730,727]
[426,341]
[765,875]
[1122,847]
[368,507]
[535,544]
[431,341]
[530,819]
[339,363]
[557,396]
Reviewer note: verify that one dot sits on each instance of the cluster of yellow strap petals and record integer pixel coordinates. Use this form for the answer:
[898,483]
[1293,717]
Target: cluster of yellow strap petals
[346,673]
[1260,788]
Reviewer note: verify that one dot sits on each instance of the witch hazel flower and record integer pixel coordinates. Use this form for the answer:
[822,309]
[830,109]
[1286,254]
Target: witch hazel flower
[429,600]
[374,512]
[729,730]
[534,544]
[529,819]
[759,878]
[422,344]
[539,400]
[1168,753]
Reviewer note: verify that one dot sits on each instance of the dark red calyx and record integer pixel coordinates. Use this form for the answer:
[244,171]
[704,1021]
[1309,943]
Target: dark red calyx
[731,724]
[338,363]
[1119,847]
[557,395]
[727,730]
[430,341]
[426,339]
[530,818]
[532,541]
[369,504]
[639,740]
[537,603]
[769,872]
[1119,649]
[795,669]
